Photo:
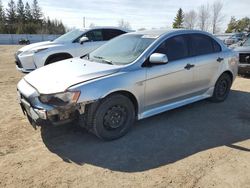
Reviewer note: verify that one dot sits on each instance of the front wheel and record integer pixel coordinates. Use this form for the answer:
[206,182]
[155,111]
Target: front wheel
[113,117]
[222,88]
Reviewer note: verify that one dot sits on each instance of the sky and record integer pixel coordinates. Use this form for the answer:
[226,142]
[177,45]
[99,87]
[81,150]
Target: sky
[139,13]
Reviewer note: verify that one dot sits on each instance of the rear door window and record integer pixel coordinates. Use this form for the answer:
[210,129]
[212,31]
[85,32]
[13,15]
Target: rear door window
[201,45]
[175,48]
[111,33]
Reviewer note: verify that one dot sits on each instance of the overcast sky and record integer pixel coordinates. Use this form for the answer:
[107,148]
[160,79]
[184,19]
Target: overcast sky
[139,13]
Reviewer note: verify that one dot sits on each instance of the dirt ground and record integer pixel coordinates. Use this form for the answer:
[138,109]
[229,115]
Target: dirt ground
[199,145]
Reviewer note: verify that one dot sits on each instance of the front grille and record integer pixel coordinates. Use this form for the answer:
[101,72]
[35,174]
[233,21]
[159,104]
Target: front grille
[17,61]
[245,58]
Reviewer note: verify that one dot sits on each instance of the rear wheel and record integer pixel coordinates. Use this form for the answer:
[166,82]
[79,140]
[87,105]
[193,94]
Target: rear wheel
[112,118]
[222,88]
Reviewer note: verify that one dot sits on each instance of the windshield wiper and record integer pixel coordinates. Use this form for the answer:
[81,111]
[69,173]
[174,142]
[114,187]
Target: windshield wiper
[107,61]
[86,55]
[98,57]
[104,60]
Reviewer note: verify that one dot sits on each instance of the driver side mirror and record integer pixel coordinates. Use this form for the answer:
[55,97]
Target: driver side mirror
[84,39]
[157,58]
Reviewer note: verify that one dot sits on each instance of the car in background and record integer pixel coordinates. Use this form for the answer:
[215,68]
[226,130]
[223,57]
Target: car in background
[234,38]
[134,76]
[223,36]
[23,41]
[72,44]
[244,57]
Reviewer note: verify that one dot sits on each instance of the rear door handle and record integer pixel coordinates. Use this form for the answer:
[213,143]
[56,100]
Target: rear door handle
[189,66]
[220,59]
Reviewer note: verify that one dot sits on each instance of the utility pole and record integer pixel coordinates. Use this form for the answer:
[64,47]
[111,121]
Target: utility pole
[84,22]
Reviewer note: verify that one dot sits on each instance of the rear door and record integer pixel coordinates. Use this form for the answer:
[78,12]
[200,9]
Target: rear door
[208,60]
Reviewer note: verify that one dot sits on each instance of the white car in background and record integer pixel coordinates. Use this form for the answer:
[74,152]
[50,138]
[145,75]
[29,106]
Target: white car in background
[72,44]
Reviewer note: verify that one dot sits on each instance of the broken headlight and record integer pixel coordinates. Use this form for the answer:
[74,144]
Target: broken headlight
[60,99]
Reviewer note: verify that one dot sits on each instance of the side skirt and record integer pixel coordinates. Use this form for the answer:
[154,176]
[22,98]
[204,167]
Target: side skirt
[174,105]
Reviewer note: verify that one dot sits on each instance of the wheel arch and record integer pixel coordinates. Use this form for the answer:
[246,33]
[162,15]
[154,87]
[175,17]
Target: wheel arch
[229,73]
[128,94]
[65,54]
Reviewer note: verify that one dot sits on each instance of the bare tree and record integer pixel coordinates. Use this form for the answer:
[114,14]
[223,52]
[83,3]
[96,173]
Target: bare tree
[190,19]
[203,17]
[124,24]
[217,16]
[91,25]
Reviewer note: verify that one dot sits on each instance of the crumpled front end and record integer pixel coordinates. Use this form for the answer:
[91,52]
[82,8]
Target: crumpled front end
[39,113]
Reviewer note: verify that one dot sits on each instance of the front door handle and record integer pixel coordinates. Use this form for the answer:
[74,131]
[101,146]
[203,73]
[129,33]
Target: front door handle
[189,66]
[220,59]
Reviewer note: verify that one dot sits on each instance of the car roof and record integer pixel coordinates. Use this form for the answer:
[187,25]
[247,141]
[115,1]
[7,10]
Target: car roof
[156,33]
[106,27]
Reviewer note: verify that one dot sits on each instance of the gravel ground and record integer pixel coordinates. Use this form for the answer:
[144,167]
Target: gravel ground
[199,145]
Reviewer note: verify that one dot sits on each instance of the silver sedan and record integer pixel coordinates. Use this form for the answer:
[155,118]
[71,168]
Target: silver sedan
[131,77]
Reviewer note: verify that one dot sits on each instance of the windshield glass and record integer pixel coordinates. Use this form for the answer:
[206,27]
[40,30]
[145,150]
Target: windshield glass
[70,36]
[122,50]
[247,42]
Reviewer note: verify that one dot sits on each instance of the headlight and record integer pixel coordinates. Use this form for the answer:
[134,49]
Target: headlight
[29,52]
[60,99]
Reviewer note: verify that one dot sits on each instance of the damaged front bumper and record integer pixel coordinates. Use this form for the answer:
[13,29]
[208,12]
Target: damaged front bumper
[39,113]
[50,115]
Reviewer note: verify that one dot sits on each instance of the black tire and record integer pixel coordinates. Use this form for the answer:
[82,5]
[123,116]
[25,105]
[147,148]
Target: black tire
[111,118]
[222,88]
[55,59]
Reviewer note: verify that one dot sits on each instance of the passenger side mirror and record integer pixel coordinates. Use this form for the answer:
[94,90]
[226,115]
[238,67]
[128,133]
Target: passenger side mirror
[83,39]
[157,58]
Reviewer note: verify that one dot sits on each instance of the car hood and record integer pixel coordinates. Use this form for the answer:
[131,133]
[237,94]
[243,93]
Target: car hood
[39,45]
[242,49]
[57,77]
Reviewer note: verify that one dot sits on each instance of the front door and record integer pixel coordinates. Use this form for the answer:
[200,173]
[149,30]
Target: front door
[173,81]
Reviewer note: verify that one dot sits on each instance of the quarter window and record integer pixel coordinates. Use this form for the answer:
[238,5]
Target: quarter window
[175,48]
[217,47]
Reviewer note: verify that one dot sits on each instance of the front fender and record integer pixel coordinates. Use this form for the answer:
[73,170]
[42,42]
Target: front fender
[41,57]
[131,81]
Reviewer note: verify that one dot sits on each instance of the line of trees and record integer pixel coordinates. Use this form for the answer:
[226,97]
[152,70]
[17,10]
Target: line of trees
[20,18]
[238,25]
[208,17]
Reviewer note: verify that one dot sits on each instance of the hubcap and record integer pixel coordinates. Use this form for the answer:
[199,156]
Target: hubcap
[115,117]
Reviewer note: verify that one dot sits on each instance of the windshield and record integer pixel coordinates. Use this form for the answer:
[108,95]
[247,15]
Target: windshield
[247,42]
[70,36]
[122,50]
